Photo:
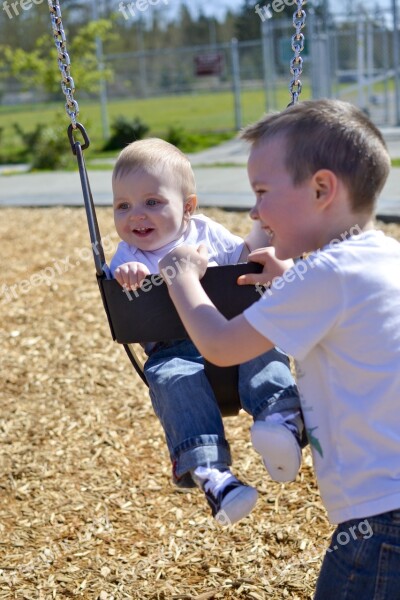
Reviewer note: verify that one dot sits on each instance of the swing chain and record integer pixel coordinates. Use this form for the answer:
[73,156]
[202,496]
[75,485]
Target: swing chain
[296,64]
[64,62]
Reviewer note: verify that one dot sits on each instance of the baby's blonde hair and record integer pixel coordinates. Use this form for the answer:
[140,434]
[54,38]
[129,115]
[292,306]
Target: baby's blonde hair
[157,156]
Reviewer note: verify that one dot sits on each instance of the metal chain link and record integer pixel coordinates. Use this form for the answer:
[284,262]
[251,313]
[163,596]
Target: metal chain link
[296,64]
[64,62]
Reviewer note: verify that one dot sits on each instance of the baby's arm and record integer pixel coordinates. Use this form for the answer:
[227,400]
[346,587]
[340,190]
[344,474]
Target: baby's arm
[256,238]
[258,248]
[131,274]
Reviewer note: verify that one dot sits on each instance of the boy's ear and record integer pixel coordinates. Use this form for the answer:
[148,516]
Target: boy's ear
[324,183]
[190,204]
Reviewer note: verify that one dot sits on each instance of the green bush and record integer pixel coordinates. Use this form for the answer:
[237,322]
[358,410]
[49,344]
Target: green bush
[124,132]
[51,151]
[46,147]
[29,138]
[195,142]
[176,136]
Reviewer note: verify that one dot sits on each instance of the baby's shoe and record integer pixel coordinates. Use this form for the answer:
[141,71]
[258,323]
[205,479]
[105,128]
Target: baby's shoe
[230,499]
[277,439]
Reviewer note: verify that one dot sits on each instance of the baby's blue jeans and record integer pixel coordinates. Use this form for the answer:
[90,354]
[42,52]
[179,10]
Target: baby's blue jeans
[185,404]
[363,560]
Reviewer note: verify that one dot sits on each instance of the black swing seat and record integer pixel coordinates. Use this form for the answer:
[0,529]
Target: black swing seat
[148,315]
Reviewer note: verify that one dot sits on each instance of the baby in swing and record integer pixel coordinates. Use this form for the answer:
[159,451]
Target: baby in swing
[154,212]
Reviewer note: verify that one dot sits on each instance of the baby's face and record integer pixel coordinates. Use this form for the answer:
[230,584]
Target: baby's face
[149,209]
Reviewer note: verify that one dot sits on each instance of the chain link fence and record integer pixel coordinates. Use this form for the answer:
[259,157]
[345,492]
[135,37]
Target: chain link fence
[351,58]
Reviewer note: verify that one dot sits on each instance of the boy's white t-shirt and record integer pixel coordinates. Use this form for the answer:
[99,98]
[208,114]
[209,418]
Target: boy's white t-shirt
[338,314]
[224,248]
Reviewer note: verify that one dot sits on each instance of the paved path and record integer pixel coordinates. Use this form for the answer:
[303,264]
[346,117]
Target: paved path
[223,186]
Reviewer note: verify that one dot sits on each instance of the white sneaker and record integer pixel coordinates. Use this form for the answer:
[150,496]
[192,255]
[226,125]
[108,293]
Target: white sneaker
[276,439]
[230,499]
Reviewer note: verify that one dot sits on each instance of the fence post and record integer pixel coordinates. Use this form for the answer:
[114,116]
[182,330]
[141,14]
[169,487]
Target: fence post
[320,69]
[236,82]
[370,60]
[386,68]
[142,59]
[102,83]
[360,63]
[396,50]
[268,63]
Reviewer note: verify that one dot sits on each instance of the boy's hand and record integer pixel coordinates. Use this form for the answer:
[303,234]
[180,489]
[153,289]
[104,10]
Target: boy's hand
[131,274]
[184,260]
[272,267]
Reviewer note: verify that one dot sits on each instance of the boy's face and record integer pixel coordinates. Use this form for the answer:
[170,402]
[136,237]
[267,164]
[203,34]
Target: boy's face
[285,211]
[149,209]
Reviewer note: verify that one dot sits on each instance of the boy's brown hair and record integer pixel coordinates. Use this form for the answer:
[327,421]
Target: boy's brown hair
[156,155]
[329,134]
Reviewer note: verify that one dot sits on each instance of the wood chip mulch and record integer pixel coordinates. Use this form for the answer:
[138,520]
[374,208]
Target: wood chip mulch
[87,506]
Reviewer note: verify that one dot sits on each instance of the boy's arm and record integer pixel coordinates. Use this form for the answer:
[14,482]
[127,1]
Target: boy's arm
[220,341]
[272,267]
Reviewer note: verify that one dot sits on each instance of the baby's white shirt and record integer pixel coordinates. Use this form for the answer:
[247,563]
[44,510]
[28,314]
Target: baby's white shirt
[224,248]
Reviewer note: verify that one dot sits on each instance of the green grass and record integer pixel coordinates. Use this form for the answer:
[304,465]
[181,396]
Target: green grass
[211,115]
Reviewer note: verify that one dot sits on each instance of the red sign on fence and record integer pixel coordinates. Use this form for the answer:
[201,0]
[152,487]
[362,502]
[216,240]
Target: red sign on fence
[209,64]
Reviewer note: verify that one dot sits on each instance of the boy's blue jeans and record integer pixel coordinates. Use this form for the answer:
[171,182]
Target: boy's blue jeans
[184,402]
[363,560]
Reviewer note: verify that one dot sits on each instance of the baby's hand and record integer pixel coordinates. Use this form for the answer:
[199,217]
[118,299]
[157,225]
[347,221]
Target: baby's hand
[131,274]
[272,267]
[182,261]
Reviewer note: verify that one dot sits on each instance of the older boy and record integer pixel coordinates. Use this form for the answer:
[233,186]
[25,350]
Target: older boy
[317,169]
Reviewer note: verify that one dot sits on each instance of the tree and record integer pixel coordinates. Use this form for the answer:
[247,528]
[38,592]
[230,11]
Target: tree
[38,68]
[247,25]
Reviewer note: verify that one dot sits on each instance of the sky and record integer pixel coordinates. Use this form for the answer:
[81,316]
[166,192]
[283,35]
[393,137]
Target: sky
[218,7]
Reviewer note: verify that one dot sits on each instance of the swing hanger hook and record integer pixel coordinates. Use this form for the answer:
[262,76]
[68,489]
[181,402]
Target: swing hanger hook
[72,140]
